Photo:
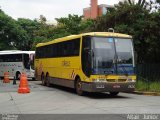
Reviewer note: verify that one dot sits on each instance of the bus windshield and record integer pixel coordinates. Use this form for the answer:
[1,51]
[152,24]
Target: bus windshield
[112,55]
[26,61]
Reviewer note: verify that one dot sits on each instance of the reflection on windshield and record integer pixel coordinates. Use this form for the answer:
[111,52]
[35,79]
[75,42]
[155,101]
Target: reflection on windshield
[124,50]
[28,61]
[109,53]
[104,54]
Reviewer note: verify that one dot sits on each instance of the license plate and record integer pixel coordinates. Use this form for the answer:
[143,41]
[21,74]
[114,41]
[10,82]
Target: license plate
[99,86]
[116,86]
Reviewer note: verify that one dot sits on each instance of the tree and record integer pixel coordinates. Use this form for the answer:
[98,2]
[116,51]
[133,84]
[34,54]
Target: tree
[74,24]
[12,36]
[71,23]
[31,27]
[42,19]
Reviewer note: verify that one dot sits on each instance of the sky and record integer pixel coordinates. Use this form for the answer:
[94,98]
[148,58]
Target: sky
[51,9]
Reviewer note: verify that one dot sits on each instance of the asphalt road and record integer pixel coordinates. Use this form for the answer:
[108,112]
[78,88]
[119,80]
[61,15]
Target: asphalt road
[60,100]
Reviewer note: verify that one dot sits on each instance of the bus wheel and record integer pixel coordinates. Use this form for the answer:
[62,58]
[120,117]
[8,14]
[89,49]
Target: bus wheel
[18,75]
[114,93]
[43,80]
[47,81]
[78,86]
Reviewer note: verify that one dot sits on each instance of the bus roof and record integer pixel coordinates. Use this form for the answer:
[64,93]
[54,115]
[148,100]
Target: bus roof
[15,52]
[107,34]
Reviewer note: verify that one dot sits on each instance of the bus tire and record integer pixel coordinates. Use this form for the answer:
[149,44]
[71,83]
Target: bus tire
[48,81]
[114,93]
[43,80]
[78,87]
[18,75]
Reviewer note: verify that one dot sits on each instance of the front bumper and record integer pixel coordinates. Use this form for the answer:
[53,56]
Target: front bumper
[108,87]
[30,75]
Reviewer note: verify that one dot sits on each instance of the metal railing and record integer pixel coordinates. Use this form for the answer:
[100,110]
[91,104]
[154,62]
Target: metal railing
[148,72]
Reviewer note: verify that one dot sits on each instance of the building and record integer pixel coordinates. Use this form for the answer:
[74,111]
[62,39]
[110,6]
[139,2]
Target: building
[96,10]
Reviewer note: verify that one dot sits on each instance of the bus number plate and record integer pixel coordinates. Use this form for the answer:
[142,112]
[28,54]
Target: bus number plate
[116,86]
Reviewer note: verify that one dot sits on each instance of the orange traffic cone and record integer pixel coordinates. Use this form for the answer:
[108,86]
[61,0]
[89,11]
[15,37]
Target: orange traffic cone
[23,87]
[6,78]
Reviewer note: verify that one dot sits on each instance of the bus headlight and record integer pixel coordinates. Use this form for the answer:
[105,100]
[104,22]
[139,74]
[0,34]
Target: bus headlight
[131,80]
[95,80]
[131,86]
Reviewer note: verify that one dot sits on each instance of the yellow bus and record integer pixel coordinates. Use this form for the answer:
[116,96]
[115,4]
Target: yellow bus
[91,62]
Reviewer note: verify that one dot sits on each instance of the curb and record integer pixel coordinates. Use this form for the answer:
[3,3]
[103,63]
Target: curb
[146,93]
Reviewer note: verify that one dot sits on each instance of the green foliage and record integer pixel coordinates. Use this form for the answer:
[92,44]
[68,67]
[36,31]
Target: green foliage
[158,1]
[12,36]
[147,86]
[155,87]
[74,24]
[142,85]
[71,24]
[39,31]
[31,27]
[42,19]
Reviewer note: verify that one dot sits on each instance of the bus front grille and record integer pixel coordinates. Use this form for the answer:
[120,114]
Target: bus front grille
[121,80]
[114,80]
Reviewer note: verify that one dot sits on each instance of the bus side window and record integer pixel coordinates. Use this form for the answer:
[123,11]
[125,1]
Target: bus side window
[1,58]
